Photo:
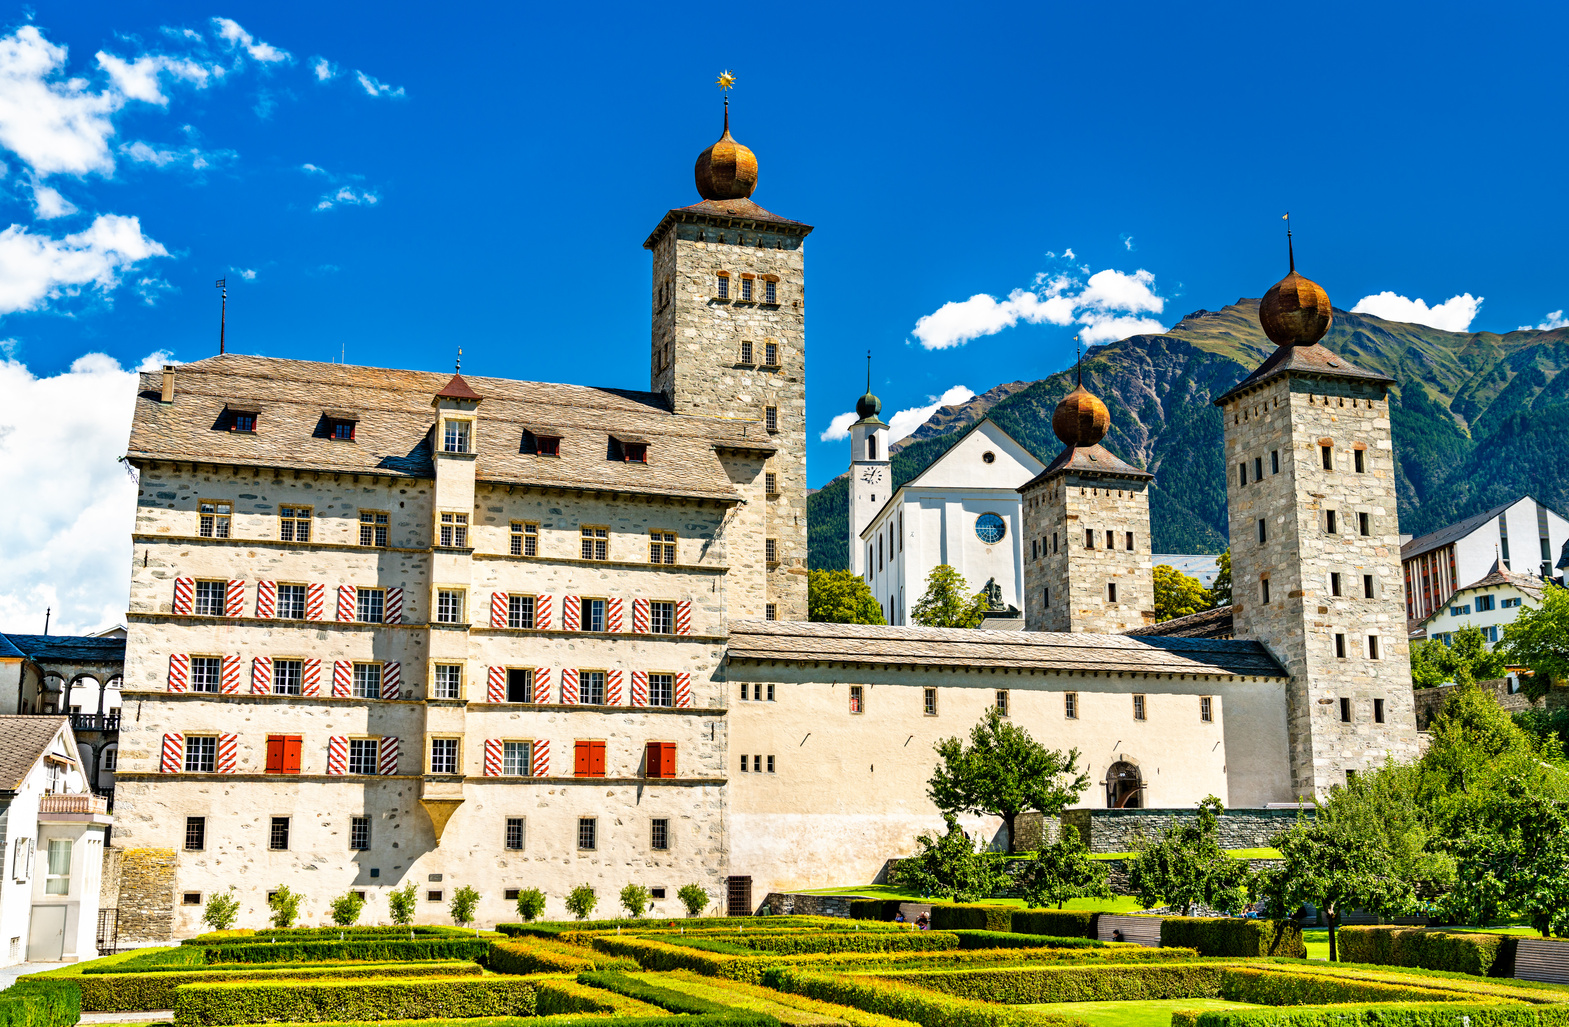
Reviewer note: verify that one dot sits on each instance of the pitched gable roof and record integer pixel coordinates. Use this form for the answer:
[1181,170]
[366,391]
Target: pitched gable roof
[1452,533]
[1312,360]
[23,742]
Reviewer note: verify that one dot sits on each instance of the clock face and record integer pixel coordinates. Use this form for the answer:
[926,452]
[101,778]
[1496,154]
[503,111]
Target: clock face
[872,475]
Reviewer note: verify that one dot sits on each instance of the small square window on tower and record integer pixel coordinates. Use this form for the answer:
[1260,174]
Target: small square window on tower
[1327,454]
[746,351]
[770,292]
[771,350]
[1360,458]
[771,418]
[770,611]
[746,290]
[722,285]
[771,483]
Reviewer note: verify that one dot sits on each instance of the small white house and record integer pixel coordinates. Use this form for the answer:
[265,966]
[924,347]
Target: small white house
[1489,604]
[53,829]
[1525,537]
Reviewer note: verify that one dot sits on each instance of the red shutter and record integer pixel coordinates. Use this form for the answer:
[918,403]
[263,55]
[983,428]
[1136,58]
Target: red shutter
[596,756]
[274,754]
[651,758]
[580,759]
[291,754]
[667,760]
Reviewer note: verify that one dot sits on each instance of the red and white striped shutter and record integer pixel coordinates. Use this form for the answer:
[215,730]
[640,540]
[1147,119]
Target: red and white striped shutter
[640,688]
[387,761]
[392,612]
[541,758]
[542,613]
[684,617]
[683,689]
[612,688]
[342,679]
[228,753]
[496,685]
[173,760]
[338,754]
[640,616]
[234,598]
[315,601]
[348,596]
[310,678]
[184,594]
[179,672]
[229,684]
[261,675]
[542,685]
[492,757]
[498,609]
[613,613]
[391,679]
[571,613]
[569,687]
[266,600]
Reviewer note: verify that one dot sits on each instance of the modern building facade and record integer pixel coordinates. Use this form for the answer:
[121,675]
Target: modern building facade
[1489,605]
[1525,537]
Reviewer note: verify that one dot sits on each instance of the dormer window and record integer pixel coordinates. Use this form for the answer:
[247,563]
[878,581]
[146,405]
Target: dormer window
[636,452]
[340,424]
[343,430]
[241,418]
[541,444]
[455,437]
[629,449]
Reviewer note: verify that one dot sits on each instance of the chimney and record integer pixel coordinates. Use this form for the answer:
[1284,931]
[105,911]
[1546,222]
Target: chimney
[168,384]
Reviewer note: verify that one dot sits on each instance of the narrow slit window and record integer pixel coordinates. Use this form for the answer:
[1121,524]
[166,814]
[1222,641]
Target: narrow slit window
[1340,646]
[1206,709]
[1364,523]
[771,418]
[1138,707]
[1070,705]
[1334,583]
[1274,461]
[1378,711]
[1372,647]
[1345,711]
[1264,591]
[1367,586]
[1328,455]
[1359,456]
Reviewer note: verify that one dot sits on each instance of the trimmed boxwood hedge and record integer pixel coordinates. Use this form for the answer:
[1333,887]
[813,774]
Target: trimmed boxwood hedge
[318,933]
[40,1002]
[202,1005]
[1032,984]
[1479,954]
[1234,936]
[541,955]
[116,993]
[972,918]
[551,928]
[1062,923]
[172,957]
[664,998]
[732,1019]
[388,950]
[1286,988]
[874,909]
[907,1002]
[1387,1014]
[1004,940]
[862,941]
[561,995]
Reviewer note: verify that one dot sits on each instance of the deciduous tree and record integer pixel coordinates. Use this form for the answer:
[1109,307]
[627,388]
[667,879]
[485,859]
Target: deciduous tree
[581,901]
[1186,866]
[285,906]
[464,900]
[346,908]
[1220,589]
[1516,864]
[400,904]
[531,903]
[694,897]
[1176,594]
[949,866]
[841,597]
[948,601]
[635,900]
[1062,871]
[222,910]
[1539,639]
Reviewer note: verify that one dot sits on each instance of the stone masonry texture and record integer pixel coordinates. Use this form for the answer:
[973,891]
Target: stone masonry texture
[1077,577]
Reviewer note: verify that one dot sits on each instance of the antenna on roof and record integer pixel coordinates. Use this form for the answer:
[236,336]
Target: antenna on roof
[457,368]
[223,317]
[1290,253]
[47,611]
[1078,358]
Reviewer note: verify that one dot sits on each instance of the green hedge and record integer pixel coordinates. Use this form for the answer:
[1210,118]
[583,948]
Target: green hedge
[258,966]
[892,961]
[40,1002]
[1234,936]
[1287,988]
[659,955]
[1007,940]
[732,1019]
[201,1005]
[1108,983]
[1389,1014]
[907,1002]
[561,995]
[874,909]
[1478,954]
[1061,923]
[115,993]
[370,950]
[173,957]
[972,918]
[551,928]
[541,955]
[242,935]
[664,998]
[863,941]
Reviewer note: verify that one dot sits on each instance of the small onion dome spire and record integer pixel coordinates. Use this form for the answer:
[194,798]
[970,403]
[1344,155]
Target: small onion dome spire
[1081,419]
[868,406]
[726,170]
[1296,310]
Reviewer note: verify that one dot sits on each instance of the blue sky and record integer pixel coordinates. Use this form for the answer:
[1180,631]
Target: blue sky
[392,181]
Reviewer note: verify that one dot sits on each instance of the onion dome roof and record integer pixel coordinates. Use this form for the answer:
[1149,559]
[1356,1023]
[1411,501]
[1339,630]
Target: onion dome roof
[1295,311]
[726,170]
[1081,419]
[868,406]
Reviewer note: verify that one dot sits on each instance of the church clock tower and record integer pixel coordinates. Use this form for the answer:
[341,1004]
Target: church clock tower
[871,474]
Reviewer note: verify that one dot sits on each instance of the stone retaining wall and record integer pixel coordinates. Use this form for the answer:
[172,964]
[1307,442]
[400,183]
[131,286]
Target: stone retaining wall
[1430,700]
[1116,830]
[146,900]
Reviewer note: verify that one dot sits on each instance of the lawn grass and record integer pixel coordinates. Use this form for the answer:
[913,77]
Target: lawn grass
[1149,1013]
[1115,904]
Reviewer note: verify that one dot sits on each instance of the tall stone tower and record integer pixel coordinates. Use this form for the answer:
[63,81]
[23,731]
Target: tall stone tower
[1315,544]
[729,340]
[1087,556]
[871,474]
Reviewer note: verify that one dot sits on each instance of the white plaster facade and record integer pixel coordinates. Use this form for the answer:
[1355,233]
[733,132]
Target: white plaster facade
[1490,604]
[1526,535]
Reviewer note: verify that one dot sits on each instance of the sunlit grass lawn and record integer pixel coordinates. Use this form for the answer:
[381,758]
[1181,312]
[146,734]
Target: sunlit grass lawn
[1150,1013]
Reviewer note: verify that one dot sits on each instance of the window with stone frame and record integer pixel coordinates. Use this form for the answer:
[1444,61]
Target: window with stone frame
[206,673]
[722,285]
[771,483]
[294,524]
[588,827]
[771,419]
[449,606]
[659,834]
[771,352]
[1364,523]
[661,547]
[201,754]
[770,291]
[515,833]
[287,676]
[215,515]
[1138,707]
[373,528]
[455,530]
[591,687]
[517,759]
[455,436]
[661,689]
[370,605]
[520,611]
[449,681]
[443,756]
[746,288]
[857,699]
[367,681]
[771,549]
[591,614]
[291,602]
[596,542]
[525,538]
[359,833]
[1206,709]
[661,618]
[195,834]
[363,754]
[1070,705]
[278,835]
[1359,458]
[209,598]
[770,611]
[746,351]
[1263,591]
[1372,647]
[1001,702]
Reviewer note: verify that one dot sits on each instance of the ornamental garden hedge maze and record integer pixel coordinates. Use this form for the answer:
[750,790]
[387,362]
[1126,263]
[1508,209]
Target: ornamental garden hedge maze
[984,970]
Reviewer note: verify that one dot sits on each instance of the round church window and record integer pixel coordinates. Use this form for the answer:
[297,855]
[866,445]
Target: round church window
[990,529]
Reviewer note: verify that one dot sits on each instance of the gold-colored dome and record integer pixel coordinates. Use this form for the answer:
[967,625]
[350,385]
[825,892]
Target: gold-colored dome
[1296,311]
[726,170]
[1081,419]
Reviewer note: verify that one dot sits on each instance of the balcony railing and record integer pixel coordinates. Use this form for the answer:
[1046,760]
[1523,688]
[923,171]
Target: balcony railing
[80,803]
[95,722]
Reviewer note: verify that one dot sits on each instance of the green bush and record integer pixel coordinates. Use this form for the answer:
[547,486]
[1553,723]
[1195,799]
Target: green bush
[201,1005]
[1289,988]
[541,955]
[400,904]
[874,909]
[694,898]
[285,906]
[1107,983]
[891,961]
[1478,954]
[391,949]
[346,908]
[40,1002]
[906,1002]
[1232,936]
[1059,923]
[1009,940]
[664,998]
[247,936]
[862,941]
[582,900]
[222,910]
[173,957]
[635,899]
[113,993]
[531,903]
[972,918]
[1389,1014]
[552,928]
[561,995]
[289,965]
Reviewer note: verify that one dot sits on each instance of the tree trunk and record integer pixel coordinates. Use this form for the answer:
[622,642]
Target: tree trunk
[1007,820]
[1334,918]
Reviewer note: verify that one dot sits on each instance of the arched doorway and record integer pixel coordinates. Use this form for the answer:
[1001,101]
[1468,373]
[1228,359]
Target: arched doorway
[1124,787]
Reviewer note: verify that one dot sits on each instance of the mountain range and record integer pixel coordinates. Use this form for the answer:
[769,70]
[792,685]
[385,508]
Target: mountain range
[1478,420]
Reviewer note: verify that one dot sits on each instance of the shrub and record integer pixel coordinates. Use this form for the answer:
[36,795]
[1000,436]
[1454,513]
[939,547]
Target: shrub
[169,957]
[908,1003]
[1008,940]
[635,900]
[1059,923]
[872,941]
[1382,1015]
[653,994]
[972,918]
[40,1002]
[538,955]
[400,904]
[346,908]
[558,995]
[1287,988]
[581,901]
[221,911]
[1479,954]
[531,903]
[1229,936]
[285,906]
[112,993]
[462,905]
[694,897]
[388,949]
[874,909]
[200,1005]
[1107,983]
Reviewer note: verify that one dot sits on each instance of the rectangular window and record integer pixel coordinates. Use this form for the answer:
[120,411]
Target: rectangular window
[1001,701]
[591,614]
[1070,705]
[1345,711]
[433,895]
[659,759]
[771,351]
[443,755]
[770,292]
[1367,586]
[1328,454]
[362,756]
[373,528]
[342,431]
[857,705]
[722,287]
[1045,598]
[455,437]
[1483,603]
[661,547]
[588,827]
[286,676]
[1262,533]
[206,672]
[525,538]
[1242,473]
[359,833]
[191,898]
[1357,455]
[201,754]
[449,606]
[58,877]
[770,764]
[746,351]
[662,618]
[1111,592]
[195,834]
[746,290]
[1111,540]
[591,687]
[291,602]
[929,701]
[661,689]
[746,763]
[455,530]
[215,516]
[1263,591]
[514,835]
[1372,647]
[771,549]
[634,452]
[1329,522]
[770,697]
[1378,711]
[1365,523]
[283,754]
[449,681]
[1206,709]
[771,483]
[588,758]
[771,418]
[596,543]
[1138,707]
[1340,647]
[1334,583]
[242,422]
[1130,541]
[1258,468]
[209,598]
[1089,538]
[520,611]
[659,828]
[1054,541]
[367,681]
[516,757]
[1274,461]
[370,604]
[278,836]
[294,523]
[1507,604]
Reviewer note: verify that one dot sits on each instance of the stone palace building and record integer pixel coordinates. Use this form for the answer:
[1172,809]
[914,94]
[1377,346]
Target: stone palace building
[392,627]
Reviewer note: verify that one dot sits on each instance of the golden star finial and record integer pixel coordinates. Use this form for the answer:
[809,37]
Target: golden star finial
[726,81]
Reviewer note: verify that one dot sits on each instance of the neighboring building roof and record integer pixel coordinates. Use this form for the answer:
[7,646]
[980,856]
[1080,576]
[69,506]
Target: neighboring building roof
[69,648]
[1497,577]
[393,433]
[1096,460]
[979,648]
[915,482]
[1453,533]
[1216,623]
[727,210]
[1312,360]
[9,651]
[23,742]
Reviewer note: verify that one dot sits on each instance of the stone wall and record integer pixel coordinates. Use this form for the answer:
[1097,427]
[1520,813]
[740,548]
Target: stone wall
[1117,830]
[1430,700]
[1057,514]
[146,898]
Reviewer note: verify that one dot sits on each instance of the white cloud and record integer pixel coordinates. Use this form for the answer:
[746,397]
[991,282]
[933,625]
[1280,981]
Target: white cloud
[138,79]
[906,421]
[49,203]
[192,157]
[311,169]
[237,37]
[67,548]
[1453,315]
[1127,241]
[247,273]
[957,322]
[324,69]
[1553,320]
[347,197]
[376,88]
[36,268]
[838,428]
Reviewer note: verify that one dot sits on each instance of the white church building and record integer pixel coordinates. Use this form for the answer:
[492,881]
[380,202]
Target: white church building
[964,510]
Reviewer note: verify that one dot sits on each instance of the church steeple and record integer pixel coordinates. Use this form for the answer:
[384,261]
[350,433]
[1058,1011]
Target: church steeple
[871,473]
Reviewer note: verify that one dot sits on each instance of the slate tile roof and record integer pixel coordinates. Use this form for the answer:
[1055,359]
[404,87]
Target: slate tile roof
[1216,623]
[23,739]
[394,419]
[979,648]
[727,210]
[1094,460]
[68,648]
[1451,533]
[1314,360]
